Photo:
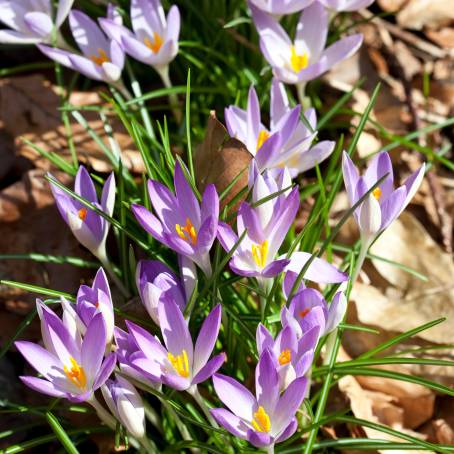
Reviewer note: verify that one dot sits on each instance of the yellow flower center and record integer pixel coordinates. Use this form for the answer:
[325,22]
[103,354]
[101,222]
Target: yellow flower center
[180,363]
[188,232]
[260,253]
[304,312]
[154,45]
[377,193]
[261,421]
[285,357]
[297,61]
[100,58]
[76,374]
[264,135]
[82,213]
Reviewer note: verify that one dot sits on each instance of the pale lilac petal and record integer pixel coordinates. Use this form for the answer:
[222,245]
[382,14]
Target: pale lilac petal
[315,155]
[207,233]
[136,48]
[210,368]
[60,56]
[114,31]
[93,346]
[274,268]
[149,345]
[14,37]
[264,339]
[258,439]
[40,359]
[165,204]
[148,221]
[265,22]
[336,312]
[64,7]
[39,23]
[288,431]
[210,203]
[100,282]
[267,382]
[392,207]
[106,370]
[230,422]
[370,216]
[236,397]
[87,34]
[304,363]
[351,175]
[379,167]
[412,184]
[173,24]
[253,120]
[187,201]
[206,339]
[252,223]
[226,236]
[86,67]
[42,386]
[176,382]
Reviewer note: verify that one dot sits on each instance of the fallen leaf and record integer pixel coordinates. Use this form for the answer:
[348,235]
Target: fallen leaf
[417,14]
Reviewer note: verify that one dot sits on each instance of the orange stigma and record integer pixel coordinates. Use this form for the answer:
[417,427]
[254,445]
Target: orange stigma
[304,312]
[82,213]
[76,374]
[190,231]
[285,357]
[100,58]
[377,193]
[154,45]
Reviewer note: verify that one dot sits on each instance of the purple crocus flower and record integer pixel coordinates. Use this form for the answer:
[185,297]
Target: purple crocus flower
[70,369]
[30,21]
[263,420]
[292,356]
[305,58]
[281,7]
[308,309]
[179,364]
[157,282]
[88,227]
[267,225]
[154,39]
[346,5]
[385,203]
[101,58]
[126,404]
[184,225]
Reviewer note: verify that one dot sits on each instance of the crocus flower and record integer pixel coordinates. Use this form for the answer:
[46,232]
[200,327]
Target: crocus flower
[69,369]
[281,7]
[308,309]
[157,282]
[346,5]
[305,58]
[263,420]
[184,225]
[88,227]
[267,225]
[125,404]
[101,58]
[292,356]
[179,364]
[30,21]
[385,203]
[154,39]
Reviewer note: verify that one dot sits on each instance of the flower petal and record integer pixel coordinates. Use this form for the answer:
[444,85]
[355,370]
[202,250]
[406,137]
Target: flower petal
[230,422]
[210,368]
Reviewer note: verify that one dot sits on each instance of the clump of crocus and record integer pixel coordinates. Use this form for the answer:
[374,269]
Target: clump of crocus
[126,405]
[281,7]
[31,22]
[346,5]
[287,142]
[264,419]
[154,39]
[157,282]
[70,367]
[292,356]
[308,309]
[304,58]
[179,364]
[101,58]
[183,224]
[88,227]
[385,203]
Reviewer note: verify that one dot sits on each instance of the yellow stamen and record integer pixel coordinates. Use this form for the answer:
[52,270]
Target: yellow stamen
[82,213]
[263,137]
[261,421]
[180,363]
[304,312]
[377,193]
[101,58]
[154,45]
[76,374]
[189,229]
[260,253]
[285,357]
[297,61]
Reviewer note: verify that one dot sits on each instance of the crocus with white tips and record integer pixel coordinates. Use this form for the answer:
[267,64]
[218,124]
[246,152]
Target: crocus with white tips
[305,58]
[292,356]
[385,203]
[157,282]
[308,309]
[281,7]
[126,405]
[267,225]
[88,227]
[346,5]
[69,369]
[264,419]
[287,142]
[101,58]
[31,21]
[179,364]
[183,224]
[154,39]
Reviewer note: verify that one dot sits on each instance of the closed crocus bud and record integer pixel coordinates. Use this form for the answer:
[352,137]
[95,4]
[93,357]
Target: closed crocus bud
[126,405]
[369,219]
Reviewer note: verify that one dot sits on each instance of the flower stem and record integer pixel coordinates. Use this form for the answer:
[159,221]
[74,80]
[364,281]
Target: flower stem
[302,98]
[102,257]
[152,416]
[103,414]
[270,449]
[194,392]
[173,99]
